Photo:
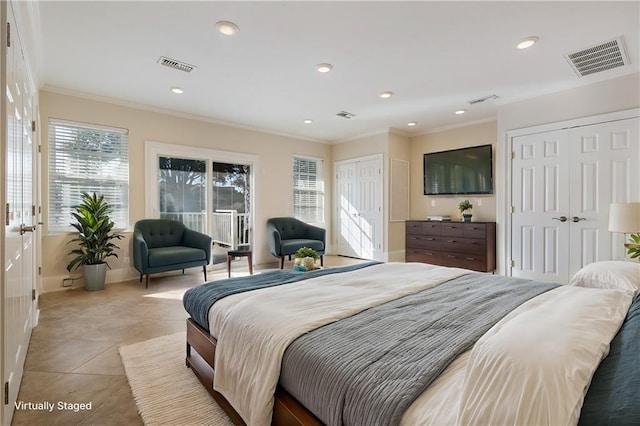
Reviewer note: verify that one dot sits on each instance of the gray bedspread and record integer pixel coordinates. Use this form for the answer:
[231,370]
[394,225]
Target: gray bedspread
[367,369]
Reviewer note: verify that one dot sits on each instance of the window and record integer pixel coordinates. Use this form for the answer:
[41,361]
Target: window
[87,158]
[308,190]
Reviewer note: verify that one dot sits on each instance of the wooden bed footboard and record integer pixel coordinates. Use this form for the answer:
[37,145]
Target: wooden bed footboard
[201,348]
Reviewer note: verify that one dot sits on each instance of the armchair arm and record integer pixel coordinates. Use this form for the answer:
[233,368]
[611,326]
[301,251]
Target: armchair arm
[273,240]
[317,233]
[199,240]
[140,252]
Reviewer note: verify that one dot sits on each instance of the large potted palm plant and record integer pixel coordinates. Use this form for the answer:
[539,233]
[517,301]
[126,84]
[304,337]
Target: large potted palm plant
[95,240]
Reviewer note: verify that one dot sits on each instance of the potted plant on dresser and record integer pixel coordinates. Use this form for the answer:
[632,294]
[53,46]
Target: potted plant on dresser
[465,208]
[95,240]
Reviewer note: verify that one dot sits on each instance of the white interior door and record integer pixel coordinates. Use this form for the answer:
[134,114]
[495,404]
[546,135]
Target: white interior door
[604,169]
[369,208]
[19,255]
[540,225]
[349,238]
[563,182]
[359,208]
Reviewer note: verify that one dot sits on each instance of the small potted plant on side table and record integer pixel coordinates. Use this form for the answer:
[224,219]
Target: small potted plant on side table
[305,259]
[465,208]
[94,226]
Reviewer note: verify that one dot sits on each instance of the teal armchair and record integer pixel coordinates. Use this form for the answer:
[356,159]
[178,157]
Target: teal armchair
[161,245]
[285,235]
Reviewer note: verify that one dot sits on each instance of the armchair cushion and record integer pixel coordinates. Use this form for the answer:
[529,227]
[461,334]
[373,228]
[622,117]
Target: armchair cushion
[175,255]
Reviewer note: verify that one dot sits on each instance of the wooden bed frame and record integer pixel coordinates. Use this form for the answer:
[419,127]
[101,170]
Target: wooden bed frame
[286,410]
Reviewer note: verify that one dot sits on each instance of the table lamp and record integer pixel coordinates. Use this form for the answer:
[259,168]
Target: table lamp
[625,218]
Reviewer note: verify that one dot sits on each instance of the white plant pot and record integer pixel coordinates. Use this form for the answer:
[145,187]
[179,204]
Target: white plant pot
[94,276]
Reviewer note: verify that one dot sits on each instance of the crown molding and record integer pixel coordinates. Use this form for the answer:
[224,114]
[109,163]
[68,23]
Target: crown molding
[455,126]
[188,116]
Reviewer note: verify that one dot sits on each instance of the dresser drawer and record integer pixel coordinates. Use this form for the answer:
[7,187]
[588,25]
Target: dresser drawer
[466,261]
[452,229]
[463,245]
[475,230]
[423,242]
[432,228]
[424,256]
[414,228]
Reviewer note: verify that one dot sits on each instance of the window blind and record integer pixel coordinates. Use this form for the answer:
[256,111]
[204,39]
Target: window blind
[308,190]
[87,158]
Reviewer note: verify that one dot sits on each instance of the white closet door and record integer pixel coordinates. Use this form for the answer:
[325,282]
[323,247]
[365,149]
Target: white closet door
[349,238]
[359,208]
[604,169]
[540,225]
[563,182]
[369,208]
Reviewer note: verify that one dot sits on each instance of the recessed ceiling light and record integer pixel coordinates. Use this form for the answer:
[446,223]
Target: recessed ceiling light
[324,67]
[386,95]
[307,121]
[227,27]
[461,111]
[412,123]
[527,42]
[177,90]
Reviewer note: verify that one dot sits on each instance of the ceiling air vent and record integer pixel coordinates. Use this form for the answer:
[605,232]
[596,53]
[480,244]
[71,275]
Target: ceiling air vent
[345,114]
[602,57]
[175,64]
[481,100]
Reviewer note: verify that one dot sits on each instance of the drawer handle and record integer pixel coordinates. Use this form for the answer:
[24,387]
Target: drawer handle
[470,258]
[451,241]
[430,239]
[451,256]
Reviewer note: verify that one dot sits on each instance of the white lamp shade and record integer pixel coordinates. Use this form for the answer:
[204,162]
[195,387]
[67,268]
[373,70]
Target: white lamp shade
[624,217]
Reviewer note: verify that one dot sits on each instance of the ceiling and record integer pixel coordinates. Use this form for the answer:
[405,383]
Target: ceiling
[434,56]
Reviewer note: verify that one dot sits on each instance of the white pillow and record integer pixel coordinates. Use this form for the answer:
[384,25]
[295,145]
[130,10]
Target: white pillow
[609,274]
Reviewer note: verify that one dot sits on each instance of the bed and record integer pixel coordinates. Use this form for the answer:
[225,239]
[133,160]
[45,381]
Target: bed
[410,343]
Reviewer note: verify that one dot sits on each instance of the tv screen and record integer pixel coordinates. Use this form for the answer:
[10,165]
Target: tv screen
[459,171]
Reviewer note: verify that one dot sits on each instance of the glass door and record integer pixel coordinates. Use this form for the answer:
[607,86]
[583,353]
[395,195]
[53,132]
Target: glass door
[182,191]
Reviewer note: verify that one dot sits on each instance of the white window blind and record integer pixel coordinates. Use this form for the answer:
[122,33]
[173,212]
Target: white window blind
[308,190]
[87,158]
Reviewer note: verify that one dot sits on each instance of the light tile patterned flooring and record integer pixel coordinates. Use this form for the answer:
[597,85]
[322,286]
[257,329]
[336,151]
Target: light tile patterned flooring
[73,355]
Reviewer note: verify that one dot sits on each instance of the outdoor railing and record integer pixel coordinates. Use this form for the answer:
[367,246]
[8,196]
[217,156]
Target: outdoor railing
[231,228]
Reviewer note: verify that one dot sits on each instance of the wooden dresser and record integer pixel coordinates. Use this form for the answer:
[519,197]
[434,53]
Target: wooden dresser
[469,245]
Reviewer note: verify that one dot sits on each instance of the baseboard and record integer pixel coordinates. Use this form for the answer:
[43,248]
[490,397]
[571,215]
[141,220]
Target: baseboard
[55,283]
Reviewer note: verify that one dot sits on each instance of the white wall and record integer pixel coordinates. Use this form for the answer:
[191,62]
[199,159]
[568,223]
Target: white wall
[273,181]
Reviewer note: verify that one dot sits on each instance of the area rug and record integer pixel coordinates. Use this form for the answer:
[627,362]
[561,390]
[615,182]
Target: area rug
[166,392]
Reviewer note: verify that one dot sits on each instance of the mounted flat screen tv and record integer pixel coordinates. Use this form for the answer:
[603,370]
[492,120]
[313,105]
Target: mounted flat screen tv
[459,171]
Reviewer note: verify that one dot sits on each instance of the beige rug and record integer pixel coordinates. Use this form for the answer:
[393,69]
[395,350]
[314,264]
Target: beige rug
[166,392]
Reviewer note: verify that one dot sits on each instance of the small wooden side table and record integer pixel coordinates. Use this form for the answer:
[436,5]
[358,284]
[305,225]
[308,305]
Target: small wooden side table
[239,253]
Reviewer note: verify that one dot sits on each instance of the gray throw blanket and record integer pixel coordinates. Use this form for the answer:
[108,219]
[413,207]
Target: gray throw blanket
[367,369]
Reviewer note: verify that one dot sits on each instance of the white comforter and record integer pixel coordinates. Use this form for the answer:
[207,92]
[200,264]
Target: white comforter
[492,384]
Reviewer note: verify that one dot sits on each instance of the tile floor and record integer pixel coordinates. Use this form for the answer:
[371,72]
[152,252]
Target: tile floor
[73,355]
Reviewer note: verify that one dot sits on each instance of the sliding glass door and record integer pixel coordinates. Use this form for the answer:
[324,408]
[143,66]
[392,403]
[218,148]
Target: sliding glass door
[182,194]
[209,191]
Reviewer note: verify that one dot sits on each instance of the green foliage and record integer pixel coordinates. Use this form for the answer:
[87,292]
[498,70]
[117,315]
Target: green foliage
[307,252]
[94,228]
[633,249]
[464,206]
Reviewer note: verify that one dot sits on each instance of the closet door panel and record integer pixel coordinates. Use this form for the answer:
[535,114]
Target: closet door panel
[540,238]
[604,160]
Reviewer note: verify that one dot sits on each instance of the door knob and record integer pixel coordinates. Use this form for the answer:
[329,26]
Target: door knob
[24,228]
[577,219]
[561,218]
